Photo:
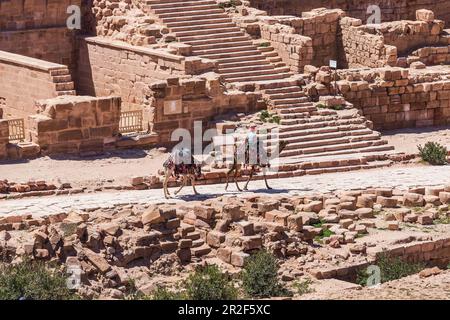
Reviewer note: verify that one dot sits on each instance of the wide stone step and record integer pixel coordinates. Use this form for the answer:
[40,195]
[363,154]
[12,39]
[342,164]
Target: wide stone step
[203,27]
[194,18]
[224,55]
[347,146]
[253,73]
[210,36]
[190,8]
[67,93]
[218,41]
[276,76]
[291,124]
[177,4]
[247,68]
[288,113]
[207,32]
[197,22]
[62,79]
[310,124]
[287,95]
[190,13]
[289,100]
[222,45]
[224,49]
[283,90]
[251,57]
[238,64]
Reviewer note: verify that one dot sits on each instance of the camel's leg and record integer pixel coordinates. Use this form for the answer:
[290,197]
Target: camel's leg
[236,172]
[165,183]
[249,178]
[228,175]
[183,184]
[265,177]
[193,184]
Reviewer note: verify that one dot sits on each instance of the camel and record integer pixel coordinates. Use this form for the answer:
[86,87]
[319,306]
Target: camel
[237,167]
[175,167]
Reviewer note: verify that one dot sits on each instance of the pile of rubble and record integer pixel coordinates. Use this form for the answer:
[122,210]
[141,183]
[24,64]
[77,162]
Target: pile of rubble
[35,188]
[112,246]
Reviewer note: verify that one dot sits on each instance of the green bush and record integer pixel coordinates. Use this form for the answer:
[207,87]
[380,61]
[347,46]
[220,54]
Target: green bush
[303,287]
[259,276]
[165,294]
[209,283]
[391,268]
[433,153]
[33,281]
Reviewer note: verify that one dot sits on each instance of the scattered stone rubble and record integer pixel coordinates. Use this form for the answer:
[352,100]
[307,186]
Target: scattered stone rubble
[310,234]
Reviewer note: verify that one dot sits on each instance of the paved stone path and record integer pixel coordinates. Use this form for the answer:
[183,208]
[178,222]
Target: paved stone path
[401,177]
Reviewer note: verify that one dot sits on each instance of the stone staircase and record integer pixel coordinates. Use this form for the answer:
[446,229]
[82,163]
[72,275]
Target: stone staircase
[63,82]
[322,140]
[213,35]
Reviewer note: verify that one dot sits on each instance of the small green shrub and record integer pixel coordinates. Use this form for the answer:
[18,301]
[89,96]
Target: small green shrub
[433,153]
[303,287]
[264,44]
[33,280]
[259,276]
[391,268]
[209,283]
[442,220]
[165,294]
[229,4]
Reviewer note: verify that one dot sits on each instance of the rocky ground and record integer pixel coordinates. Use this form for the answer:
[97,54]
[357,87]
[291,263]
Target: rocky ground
[323,236]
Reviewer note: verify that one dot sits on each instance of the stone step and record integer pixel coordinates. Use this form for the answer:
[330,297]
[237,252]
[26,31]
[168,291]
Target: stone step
[189,13]
[260,78]
[283,90]
[250,67]
[225,55]
[253,73]
[224,49]
[197,22]
[383,148]
[330,147]
[289,113]
[210,36]
[194,18]
[67,93]
[239,64]
[208,32]
[62,79]
[321,123]
[218,41]
[203,27]
[249,58]
[59,72]
[328,139]
[287,101]
[65,86]
[222,45]
[201,251]
[175,4]
[188,8]
[315,136]
[310,123]
[287,95]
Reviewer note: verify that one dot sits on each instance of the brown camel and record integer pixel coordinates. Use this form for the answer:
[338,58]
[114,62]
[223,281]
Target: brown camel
[188,172]
[237,167]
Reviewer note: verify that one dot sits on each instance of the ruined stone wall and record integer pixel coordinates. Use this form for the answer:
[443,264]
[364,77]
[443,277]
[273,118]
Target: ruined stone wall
[390,10]
[359,48]
[25,80]
[54,44]
[4,138]
[73,124]
[178,103]
[391,98]
[295,50]
[116,68]
[408,35]
[322,27]
[26,15]
[431,55]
